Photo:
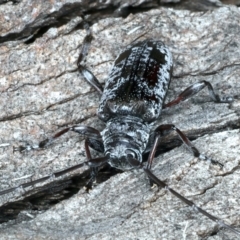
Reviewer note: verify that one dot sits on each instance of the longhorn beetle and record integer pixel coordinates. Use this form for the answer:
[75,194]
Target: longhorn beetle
[131,102]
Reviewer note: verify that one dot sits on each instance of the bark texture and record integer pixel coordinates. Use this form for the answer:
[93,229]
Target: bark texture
[42,91]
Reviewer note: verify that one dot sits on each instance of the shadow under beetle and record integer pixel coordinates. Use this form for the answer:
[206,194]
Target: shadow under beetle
[131,102]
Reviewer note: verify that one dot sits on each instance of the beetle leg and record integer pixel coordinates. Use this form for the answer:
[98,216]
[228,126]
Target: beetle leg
[87,74]
[94,170]
[194,89]
[89,132]
[90,78]
[165,129]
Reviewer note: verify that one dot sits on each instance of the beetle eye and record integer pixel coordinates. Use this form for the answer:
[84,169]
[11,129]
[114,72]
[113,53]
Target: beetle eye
[131,154]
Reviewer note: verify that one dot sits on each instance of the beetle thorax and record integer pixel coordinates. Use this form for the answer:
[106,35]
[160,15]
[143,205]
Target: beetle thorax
[125,137]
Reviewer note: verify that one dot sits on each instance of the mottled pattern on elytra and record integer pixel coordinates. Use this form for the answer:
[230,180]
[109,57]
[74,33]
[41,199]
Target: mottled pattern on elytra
[138,82]
[132,99]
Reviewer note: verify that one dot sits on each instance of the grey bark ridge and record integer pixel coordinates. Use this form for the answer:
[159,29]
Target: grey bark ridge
[41,91]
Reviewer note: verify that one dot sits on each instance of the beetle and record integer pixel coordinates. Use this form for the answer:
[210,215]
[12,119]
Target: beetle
[131,102]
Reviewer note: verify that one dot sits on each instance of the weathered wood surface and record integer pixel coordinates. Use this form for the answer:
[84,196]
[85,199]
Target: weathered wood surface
[41,91]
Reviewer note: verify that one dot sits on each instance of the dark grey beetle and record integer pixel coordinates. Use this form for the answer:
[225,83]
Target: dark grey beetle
[131,102]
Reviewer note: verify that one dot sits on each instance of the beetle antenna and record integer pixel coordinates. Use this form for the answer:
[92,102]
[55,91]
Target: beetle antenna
[93,163]
[161,184]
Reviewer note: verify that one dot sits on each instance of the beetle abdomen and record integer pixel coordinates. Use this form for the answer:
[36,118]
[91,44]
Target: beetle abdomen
[138,82]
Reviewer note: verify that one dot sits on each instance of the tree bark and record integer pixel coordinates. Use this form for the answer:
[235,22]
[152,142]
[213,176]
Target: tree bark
[42,92]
